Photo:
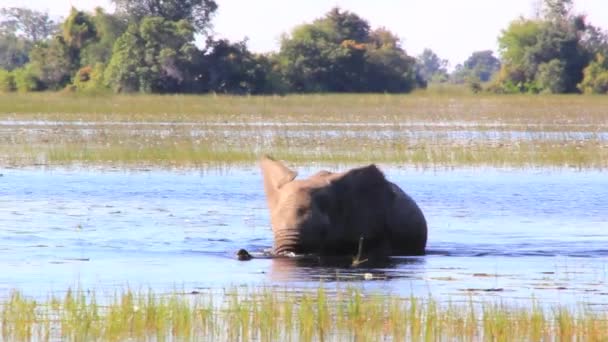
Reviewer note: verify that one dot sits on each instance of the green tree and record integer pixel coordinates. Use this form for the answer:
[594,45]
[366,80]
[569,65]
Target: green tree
[122,73]
[108,28]
[14,51]
[152,56]
[197,12]
[232,68]
[389,68]
[52,64]
[78,29]
[431,67]
[32,25]
[90,79]
[595,80]
[339,53]
[7,81]
[482,65]
[552,46]
[551,76]
[25,79]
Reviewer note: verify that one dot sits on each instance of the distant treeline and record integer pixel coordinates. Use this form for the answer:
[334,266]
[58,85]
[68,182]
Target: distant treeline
[149,46]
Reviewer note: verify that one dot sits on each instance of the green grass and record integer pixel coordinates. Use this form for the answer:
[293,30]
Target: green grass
[423,130]
[421,106]
[271,314]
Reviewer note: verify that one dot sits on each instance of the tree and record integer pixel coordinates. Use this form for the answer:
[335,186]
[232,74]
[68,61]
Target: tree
[14,52]
[108,28]
[7,81]
[32,25]
[431,67]
[549,47]
[51,64]
[595,78]
[556,10]
[78,29]
[55,61]
[340,53]
[25,79]
[551,76]
[482,65]
[231,68]
[595,40]
[196,12]
[152,56]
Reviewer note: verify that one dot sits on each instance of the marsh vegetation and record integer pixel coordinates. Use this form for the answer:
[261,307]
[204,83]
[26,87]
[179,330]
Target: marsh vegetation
[187,225]
[270,314]
[423,130]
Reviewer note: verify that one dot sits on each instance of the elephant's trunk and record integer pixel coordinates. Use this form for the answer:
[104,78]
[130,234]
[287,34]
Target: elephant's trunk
[286,241]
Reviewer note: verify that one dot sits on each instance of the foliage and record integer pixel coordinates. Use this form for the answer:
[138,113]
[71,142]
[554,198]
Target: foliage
[52,63]
[25,79]
[152,56]
[14,51]
[595,78]
[90,79]
[7,82]
[56,61]
[340,53]
[551,76]
[482,65]
[108,29]
[431,67]
[32,25]
[148,46]
[196,12]
[78,28]
[546,54]
[231,68]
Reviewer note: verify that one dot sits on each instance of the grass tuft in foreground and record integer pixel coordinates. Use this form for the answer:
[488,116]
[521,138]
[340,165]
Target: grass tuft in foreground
[271,314]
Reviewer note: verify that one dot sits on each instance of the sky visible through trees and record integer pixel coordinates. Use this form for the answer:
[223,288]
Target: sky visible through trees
[171,47]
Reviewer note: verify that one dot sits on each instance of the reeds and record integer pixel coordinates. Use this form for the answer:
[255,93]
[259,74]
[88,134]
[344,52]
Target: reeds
[271,314]
[196,131]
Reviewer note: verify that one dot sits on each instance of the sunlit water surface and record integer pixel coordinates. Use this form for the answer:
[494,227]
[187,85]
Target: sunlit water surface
[511,234]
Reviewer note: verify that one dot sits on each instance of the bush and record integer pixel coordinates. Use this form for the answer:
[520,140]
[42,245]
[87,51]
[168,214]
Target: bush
[25,79]
[595,80]
[89,79]
[7,82]
[551,77]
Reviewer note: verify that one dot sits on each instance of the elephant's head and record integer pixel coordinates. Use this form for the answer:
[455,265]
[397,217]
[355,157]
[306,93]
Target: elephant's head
[329,213]
[296,207]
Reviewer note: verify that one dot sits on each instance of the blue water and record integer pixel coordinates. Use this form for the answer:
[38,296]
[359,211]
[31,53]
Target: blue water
[512,234]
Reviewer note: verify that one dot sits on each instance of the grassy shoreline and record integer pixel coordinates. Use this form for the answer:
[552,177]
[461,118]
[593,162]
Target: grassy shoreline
[486,108]
[420,130]
[243,314]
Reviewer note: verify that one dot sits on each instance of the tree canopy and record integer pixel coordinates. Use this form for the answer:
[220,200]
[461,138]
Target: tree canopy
[431,67]
[196,12]
[167,46]
[547,54]
[340,53]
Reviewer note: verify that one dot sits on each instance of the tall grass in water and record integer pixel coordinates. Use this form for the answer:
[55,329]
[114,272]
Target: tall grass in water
[566,110]
[422,129]
[271,314]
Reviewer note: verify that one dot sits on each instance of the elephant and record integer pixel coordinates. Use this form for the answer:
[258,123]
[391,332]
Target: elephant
[357,212]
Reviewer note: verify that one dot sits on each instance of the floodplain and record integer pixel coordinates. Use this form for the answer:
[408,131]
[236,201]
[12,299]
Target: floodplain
[138,204]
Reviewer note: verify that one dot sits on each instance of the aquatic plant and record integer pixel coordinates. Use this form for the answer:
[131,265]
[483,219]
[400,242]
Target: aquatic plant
[270,314]
[419,130]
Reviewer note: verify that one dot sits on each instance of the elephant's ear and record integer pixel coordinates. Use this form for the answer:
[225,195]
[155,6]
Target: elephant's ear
[275,176]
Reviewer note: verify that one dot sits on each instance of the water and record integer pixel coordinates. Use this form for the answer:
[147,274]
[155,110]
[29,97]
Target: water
[509,234]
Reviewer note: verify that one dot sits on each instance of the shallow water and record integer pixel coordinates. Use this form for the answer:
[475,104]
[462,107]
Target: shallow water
[510,234]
